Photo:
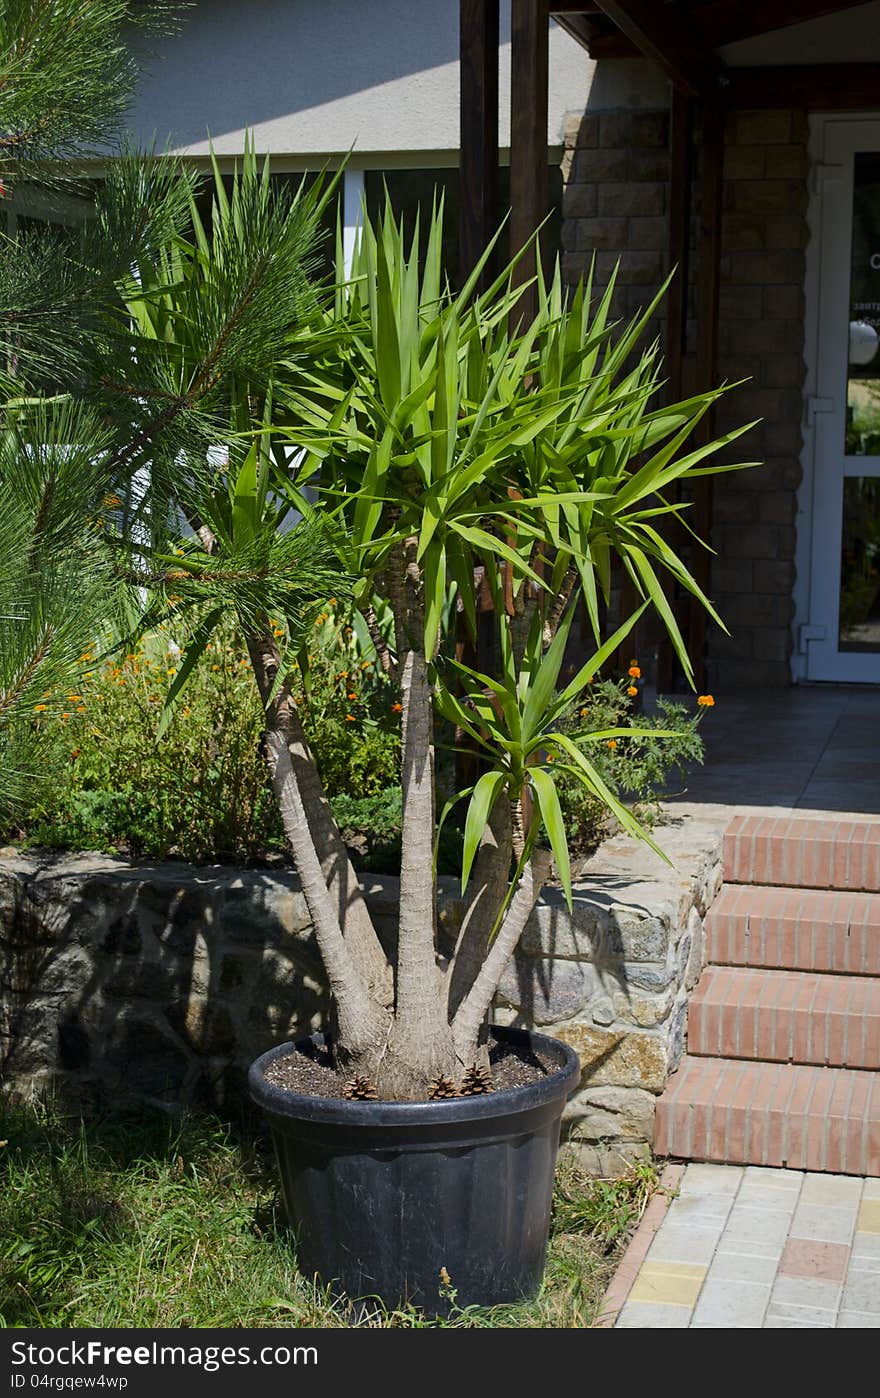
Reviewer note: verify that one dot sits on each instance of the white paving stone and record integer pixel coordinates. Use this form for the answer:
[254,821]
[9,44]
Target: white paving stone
[812,1292]
[740,1266]
[736,1221]
[684,1243]
[857,1320]
[731,1304]
[824,1223]
[861,1292]
[711,1179]
[701,1210]
[766,1226]
[642,1315]
[841,1190]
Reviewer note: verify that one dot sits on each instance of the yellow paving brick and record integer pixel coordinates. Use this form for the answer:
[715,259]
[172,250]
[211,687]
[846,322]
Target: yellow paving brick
[668,1283]
[868,1220]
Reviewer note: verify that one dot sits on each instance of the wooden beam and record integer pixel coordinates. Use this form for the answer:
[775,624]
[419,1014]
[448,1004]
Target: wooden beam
[529,193]
[578,27]
[662,34]
[708,284]
[680,147]
[680,169]
[478,157]
[727,21]
[821,87]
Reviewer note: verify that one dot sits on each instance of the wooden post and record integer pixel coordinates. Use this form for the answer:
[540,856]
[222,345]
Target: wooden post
[529,197]
[478,155]
[680,162]
[708,283]
[680,146]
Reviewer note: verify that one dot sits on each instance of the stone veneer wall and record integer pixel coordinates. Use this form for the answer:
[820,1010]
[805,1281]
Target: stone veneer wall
[163,982]
[616,168]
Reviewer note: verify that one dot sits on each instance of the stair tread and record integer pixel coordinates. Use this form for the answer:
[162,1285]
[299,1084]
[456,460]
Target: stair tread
[803,852]
[786,1016]
[805,1117]
[815,929]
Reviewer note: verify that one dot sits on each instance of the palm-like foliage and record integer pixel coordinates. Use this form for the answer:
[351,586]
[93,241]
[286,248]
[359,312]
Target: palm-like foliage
[209,387]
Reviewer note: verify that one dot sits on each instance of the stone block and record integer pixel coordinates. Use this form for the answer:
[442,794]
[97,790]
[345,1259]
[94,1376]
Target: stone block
[608,1160]
[610,1113]
[757,128]
[632,200]
[605,234]
[784,302]
[546,989]
[581,129]
[617,1056]
[580,201]
[634,268]
[789,161]
[648,163]
[599,165]
[742,162]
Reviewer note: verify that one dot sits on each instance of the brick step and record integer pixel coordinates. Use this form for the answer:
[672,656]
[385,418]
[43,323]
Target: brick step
[795,929]
[786,1017]
[803,852]
[779,1114]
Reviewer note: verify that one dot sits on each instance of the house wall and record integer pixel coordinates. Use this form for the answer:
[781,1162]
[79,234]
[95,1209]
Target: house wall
[311,80]
[616,165]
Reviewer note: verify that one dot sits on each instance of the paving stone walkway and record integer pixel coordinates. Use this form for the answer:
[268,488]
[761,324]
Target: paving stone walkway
[751,1248]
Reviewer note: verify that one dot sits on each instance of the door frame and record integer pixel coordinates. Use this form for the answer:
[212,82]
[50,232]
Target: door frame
[819,516]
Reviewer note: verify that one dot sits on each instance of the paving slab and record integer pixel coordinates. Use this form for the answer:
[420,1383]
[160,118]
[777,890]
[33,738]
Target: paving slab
[758,1248]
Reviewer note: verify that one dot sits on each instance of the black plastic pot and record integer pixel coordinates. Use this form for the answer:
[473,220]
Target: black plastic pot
[388,1198]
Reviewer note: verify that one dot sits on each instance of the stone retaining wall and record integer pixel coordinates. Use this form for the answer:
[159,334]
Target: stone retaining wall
[161,982]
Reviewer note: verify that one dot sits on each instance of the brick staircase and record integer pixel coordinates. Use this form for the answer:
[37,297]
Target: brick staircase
[784,1026]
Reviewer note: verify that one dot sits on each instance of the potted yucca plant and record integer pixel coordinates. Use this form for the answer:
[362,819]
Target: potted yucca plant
[426,450]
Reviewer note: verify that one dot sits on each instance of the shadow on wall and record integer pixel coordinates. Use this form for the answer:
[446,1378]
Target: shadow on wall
[153,982]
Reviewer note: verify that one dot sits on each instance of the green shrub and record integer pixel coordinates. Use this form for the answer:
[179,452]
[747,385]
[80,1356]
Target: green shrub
[638,770]
[201,792]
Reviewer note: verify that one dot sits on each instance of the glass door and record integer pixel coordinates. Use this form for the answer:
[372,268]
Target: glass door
[845,571]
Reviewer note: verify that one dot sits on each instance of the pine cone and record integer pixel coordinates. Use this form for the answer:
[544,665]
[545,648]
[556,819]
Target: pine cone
[476,1081]
[360,1089]
[443,1087]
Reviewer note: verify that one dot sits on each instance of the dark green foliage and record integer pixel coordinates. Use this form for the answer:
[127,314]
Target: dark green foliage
[639,770]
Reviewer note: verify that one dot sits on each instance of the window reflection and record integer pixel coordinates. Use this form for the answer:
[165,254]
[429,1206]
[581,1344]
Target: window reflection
[863,380]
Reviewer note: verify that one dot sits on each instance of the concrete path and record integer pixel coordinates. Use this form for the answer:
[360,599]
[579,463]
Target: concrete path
[751,1248]
[811,748]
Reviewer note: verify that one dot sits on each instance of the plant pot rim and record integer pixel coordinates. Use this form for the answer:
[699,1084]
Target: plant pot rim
[508,1101]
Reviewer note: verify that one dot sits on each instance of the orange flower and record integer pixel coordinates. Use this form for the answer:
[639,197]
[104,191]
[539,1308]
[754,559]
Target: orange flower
[74,752]
[40,708]
[632,691]
[350,718]
[612,743]
[635,672]
[352,696]
[705,701]
[397,708]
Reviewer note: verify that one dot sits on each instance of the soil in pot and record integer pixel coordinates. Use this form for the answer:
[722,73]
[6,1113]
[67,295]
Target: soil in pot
[309,1069]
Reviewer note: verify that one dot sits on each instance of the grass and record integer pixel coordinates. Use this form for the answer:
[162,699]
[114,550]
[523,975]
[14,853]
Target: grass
[147,1221]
